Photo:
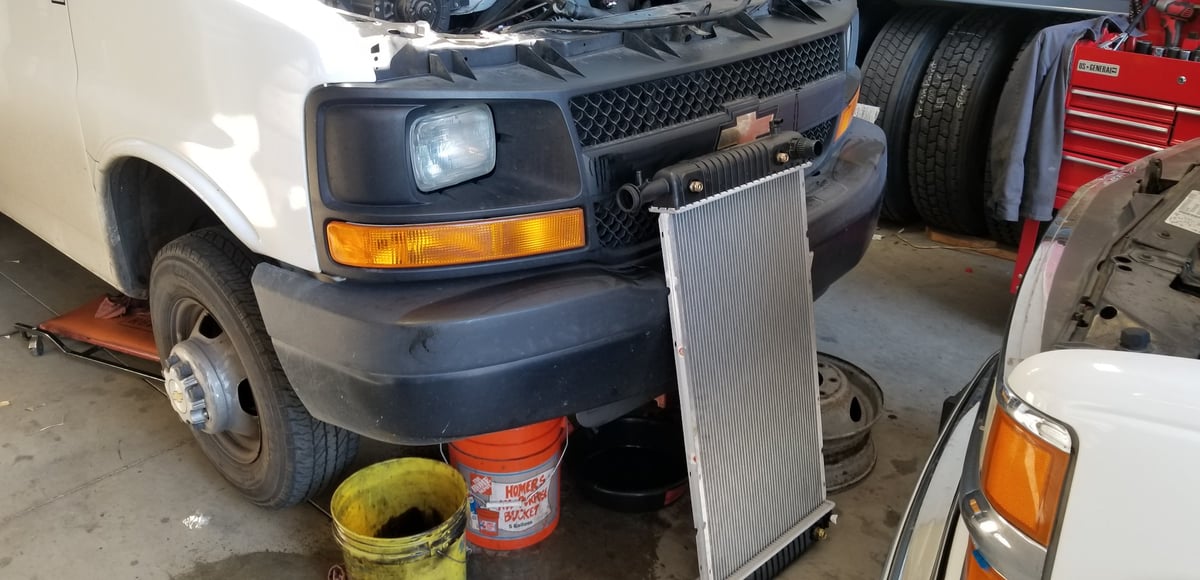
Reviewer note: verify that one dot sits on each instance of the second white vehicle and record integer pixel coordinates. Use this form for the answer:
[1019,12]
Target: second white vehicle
[1069,455]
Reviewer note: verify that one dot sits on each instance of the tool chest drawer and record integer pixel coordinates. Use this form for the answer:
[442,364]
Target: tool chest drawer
[1187,125]
[1106,146]
[1102,123]
[1078,169]
[1122,105]
[1136,76]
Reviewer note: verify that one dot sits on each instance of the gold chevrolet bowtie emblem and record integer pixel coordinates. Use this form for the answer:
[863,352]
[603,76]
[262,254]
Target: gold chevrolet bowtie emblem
[746,128]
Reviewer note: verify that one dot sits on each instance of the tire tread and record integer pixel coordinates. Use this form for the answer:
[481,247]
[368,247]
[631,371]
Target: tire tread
[951,129]
[892,71]
[317,451]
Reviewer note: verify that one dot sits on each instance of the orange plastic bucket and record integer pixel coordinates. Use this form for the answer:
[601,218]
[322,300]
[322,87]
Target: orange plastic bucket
[513,481]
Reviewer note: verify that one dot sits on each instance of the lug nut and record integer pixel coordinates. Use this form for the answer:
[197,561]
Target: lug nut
[696,186]
[782,157]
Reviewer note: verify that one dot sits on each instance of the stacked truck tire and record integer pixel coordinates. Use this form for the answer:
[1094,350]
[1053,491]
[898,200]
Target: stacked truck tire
[936,73]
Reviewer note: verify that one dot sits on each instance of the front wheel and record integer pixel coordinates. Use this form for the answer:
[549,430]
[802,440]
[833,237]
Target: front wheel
[225,381]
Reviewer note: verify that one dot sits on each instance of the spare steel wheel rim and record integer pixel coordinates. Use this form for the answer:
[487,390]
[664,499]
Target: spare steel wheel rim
[851,403]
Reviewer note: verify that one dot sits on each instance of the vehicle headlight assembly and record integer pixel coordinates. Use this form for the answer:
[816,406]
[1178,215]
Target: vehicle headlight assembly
[450,145]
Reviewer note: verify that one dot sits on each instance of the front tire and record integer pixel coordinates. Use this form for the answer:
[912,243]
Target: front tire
[225,379]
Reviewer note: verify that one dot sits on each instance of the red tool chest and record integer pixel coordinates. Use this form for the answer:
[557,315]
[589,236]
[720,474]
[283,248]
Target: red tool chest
[1121,106]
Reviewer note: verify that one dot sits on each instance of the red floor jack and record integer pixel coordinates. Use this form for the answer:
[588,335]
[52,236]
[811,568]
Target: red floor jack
[1131,94]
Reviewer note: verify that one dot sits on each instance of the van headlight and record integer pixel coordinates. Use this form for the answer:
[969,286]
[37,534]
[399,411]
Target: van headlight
[451,145]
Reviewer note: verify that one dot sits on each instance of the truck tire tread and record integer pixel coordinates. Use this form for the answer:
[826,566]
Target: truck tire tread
[892,71]
[948,144]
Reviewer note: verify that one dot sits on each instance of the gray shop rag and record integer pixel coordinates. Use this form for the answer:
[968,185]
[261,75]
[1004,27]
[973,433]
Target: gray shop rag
[1027,138]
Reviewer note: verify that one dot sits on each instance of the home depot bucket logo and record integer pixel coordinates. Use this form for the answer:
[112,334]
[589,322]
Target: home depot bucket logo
[481,485]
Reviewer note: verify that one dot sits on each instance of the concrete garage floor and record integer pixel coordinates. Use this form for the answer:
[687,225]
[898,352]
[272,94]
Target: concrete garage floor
[97,474]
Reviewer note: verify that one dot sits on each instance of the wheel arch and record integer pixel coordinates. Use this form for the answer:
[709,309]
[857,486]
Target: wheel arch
[132,207]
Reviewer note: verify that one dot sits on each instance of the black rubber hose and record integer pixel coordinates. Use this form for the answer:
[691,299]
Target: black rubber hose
[631,198]
[804,148]
[496,14]
[572,9]
[741,6]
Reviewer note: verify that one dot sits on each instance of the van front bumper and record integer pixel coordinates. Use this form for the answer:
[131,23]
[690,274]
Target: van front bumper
[432,361]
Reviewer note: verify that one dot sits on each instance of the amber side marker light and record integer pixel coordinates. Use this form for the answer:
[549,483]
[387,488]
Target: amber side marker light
[1023,477]
[846,116]
[452,243]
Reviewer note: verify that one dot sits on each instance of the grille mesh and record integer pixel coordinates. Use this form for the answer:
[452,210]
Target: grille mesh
[631,110]
[822,132]
[741,316]
[619,229]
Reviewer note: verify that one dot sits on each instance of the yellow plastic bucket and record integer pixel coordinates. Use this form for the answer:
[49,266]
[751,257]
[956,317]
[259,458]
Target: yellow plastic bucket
[402,519]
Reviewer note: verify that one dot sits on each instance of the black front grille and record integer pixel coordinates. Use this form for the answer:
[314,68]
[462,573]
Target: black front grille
[618,229]
[631,110]
[822,132]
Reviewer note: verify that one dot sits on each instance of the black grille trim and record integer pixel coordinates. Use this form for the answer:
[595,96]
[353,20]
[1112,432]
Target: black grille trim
[822,132]
[617,229]
[631,110]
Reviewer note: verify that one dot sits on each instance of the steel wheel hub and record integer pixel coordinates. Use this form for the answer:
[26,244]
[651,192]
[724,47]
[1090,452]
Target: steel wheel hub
[184,391]
[202,378]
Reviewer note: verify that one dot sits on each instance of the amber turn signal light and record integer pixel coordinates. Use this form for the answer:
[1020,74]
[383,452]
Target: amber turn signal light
[847,116]
[453,243]
[1023,477]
